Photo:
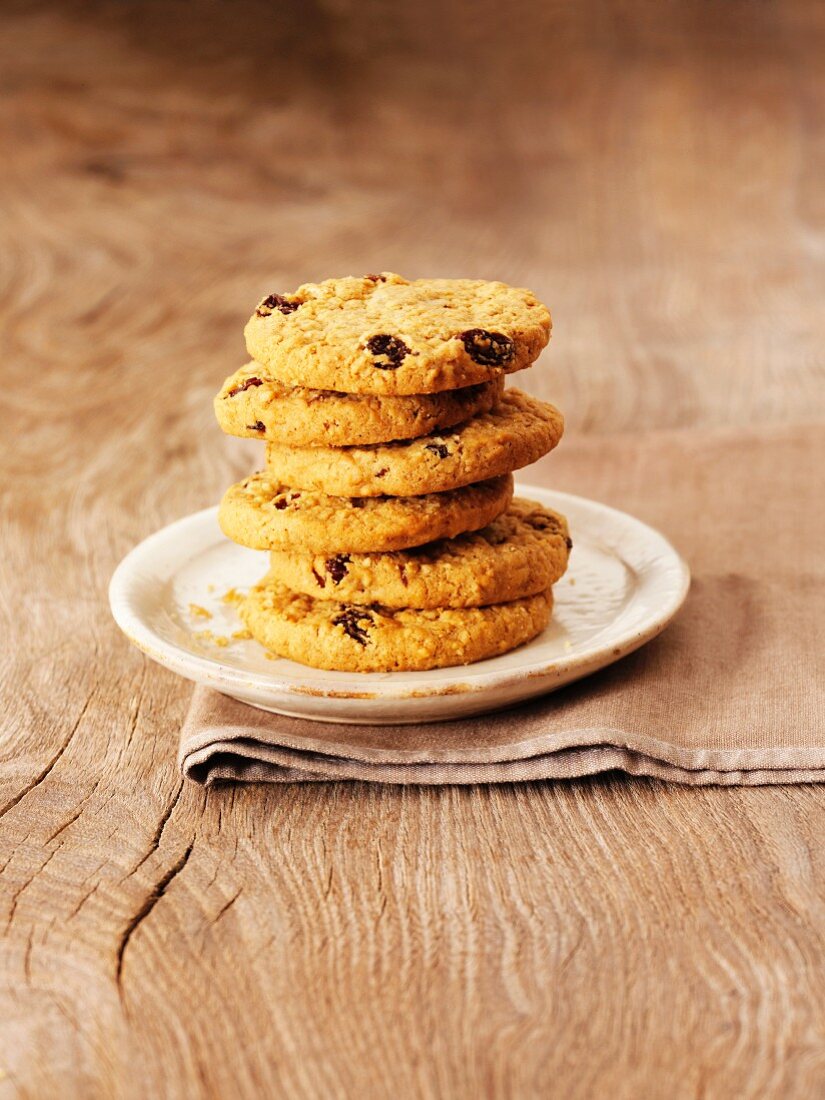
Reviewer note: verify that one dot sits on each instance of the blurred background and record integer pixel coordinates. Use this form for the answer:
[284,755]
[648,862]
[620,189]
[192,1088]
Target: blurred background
[653,170]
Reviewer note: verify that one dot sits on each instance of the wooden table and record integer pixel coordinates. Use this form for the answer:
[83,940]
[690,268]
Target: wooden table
[655,173]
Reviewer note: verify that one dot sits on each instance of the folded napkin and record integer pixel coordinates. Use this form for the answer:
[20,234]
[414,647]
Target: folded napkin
[733,692]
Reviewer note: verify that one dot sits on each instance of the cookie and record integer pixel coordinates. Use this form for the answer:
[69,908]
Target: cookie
[521,553]
[332,635]
[263,513]
[253,404]
[382,334]
[518,431]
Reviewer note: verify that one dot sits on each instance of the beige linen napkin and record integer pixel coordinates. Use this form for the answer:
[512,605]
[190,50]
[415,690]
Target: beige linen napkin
[731,693]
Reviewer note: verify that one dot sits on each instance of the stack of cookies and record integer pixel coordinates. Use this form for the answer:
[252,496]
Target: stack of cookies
[386,502]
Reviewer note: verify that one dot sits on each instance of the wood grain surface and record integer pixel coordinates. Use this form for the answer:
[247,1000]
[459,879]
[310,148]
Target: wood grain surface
[655,173]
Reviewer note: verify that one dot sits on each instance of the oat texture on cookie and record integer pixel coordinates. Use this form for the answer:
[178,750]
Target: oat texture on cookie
[386,501]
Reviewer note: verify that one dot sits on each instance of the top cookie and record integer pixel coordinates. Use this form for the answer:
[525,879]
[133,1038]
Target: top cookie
[385,335]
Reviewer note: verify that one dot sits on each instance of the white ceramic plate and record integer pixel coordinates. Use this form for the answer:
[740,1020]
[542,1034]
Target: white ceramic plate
[625,582]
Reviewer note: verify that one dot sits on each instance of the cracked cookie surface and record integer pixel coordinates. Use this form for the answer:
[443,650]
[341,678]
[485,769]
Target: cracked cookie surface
[331,635]
[518,431]
[522,552]
[253,404]
[383,334]
[263,513]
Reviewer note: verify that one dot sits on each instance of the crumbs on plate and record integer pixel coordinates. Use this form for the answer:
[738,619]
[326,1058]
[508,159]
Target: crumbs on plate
[208,636]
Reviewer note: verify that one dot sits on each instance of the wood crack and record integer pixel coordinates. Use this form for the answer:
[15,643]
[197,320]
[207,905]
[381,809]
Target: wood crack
[154,844]
[74,816]
[42,775]
[135,718]
[27,956]
[226,906]
[149,904]
[29,882]
[82,902]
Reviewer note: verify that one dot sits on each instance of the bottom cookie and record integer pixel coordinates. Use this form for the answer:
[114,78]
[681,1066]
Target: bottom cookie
[349,638]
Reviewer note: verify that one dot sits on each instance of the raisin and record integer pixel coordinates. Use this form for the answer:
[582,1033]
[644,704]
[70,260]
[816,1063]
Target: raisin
[568,542]
[247,384]
[357,502]
[382,472]
[439,449]
[388,347]
[337,567]
[276,301]
[376,278]
[258,426]
[491,349]
[321,581]
[542,523]
[280,503]
[350,619]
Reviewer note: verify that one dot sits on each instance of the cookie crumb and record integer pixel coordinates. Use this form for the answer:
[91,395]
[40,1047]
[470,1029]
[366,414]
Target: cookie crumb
[241,635]
[232,596]
[199,612]
[216,639]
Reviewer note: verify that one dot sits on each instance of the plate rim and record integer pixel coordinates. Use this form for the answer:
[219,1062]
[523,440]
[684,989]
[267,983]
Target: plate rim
[466,682]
